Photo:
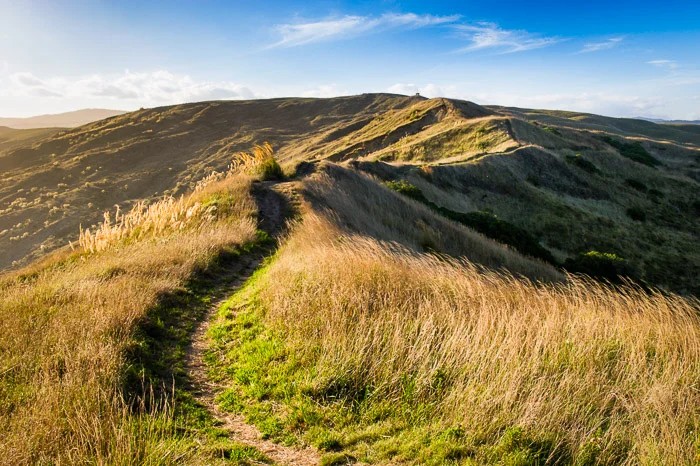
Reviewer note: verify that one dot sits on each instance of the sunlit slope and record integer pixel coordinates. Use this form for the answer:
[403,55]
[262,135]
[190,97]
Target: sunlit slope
[48,189]
[575,182]
[11,138]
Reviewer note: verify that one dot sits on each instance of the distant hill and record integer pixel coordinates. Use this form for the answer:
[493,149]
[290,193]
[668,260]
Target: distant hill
[560,184]
[671,122]
[61,120]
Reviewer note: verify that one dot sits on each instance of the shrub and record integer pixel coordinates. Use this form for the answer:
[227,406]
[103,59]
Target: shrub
[633,151]
[554,131]
[409,190]
[597,264]
[259,162]
[636,185]
[485,223]
[655,194]
[636,213]
[578,161]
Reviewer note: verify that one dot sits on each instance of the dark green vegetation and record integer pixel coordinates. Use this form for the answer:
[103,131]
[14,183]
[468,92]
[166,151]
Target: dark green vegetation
[485,223]
[560,177]
[607,266]
[633,151]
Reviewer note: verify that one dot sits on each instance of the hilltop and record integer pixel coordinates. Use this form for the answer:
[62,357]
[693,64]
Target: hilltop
[60,120]
[573,182]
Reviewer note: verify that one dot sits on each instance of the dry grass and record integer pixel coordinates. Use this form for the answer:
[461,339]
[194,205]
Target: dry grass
[357,203]
[259,162]
[606,376]
[66,325]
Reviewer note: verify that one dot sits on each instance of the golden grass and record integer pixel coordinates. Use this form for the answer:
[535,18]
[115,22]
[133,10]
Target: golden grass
[66,324]
[359,204]
[260,162]
[608,376]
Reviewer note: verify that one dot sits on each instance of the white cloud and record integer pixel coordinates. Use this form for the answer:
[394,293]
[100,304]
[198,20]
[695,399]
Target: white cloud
[602,45]
[28,84]
[601,103]
[485,35]
[668,64]
[146,88]
[348,26]
[426,90]
[325,90]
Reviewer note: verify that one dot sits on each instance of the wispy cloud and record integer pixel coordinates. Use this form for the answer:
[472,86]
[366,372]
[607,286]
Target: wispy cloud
[603,103]
[668,64]
[602,45]
[156,87]
[485,35]
[293,35]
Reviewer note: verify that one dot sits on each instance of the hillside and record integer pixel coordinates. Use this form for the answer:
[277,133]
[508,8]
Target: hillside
[323,318]
[60,120]
[573,182]
[11,138]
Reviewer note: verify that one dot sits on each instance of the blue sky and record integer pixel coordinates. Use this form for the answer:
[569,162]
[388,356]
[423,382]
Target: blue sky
[619,58]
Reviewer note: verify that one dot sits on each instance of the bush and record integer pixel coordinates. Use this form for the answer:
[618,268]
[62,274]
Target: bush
[597,264]
[578,161]
[260,163]
[633,151]
[485,223]
[636,185]
[636,214]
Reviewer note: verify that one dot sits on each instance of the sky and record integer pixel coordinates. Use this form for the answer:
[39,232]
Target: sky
[617,58]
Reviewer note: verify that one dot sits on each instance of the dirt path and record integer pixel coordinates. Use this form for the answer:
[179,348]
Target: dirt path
[275,204]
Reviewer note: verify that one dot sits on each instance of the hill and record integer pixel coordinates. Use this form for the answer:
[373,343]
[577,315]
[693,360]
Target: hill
[11,138]
[329,318]
[571,184]
[60,120]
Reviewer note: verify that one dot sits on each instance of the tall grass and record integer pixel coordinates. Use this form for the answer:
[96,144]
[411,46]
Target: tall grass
[260,162]
[67,325]
[602,376]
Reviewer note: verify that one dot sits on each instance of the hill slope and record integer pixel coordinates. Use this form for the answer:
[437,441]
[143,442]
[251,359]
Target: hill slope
[573,182]
[61,120]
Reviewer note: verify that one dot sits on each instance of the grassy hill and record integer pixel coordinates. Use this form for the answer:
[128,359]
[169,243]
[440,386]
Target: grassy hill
[379,329]
[60,120]
[573,183]
[11,138]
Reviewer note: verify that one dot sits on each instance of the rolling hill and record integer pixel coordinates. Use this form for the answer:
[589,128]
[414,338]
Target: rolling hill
[395,294]
[60,120]
[571,182]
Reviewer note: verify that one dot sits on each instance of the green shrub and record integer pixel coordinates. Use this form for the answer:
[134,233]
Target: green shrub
[407,189]
[655,195]
[578,161]
[270,170]
[633,151]
[636,214]
[637,185]
[485,223]
[597,264]
[549,129]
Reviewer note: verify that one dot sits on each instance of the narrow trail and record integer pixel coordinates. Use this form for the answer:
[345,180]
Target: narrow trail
[275,204]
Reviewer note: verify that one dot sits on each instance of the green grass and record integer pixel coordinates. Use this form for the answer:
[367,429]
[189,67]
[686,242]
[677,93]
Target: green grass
[280,392]
[156,363]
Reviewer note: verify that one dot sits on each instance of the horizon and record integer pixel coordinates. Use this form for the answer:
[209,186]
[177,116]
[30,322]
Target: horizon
[77,110]
[631,59]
